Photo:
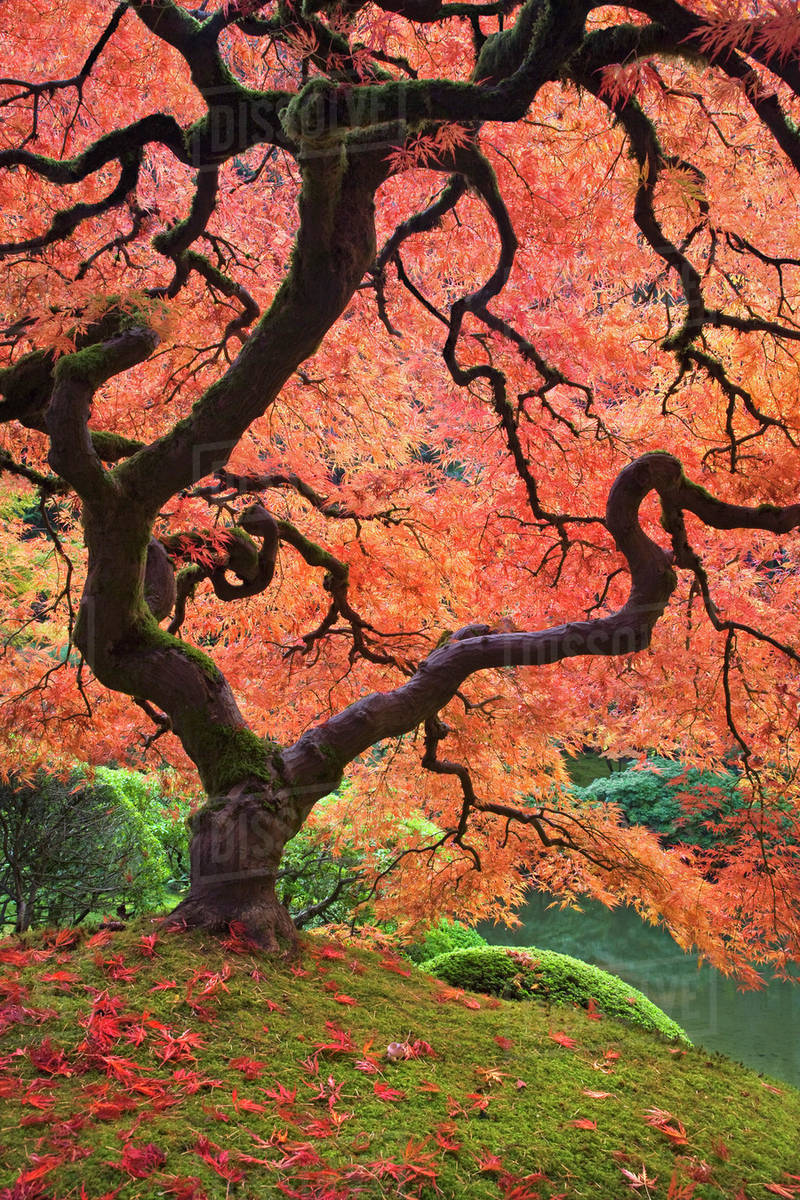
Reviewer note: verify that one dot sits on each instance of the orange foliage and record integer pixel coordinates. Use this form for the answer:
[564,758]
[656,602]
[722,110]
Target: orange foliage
[410,478]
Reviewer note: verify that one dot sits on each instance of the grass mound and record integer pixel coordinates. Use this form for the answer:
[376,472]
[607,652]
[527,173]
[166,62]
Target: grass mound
[518,974]
[140,1065]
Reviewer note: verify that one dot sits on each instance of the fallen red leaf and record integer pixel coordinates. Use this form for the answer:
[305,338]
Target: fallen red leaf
[140,1161]
[384,1092]
[562,1039]
[251,1068]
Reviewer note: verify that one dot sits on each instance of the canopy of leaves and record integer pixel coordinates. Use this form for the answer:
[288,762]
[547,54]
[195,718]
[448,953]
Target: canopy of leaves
[422,281]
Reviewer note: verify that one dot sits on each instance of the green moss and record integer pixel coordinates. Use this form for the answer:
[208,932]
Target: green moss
[441,939]
[86,365]
[497,1083]
[159,639]
[226,755]
[561,979]
[111,447]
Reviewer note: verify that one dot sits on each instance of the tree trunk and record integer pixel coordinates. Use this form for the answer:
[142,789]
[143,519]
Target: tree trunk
[236,848]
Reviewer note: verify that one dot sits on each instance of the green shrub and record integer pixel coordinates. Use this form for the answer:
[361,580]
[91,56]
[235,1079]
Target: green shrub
[681,803]
[517,974]
[81,846]
[440,939]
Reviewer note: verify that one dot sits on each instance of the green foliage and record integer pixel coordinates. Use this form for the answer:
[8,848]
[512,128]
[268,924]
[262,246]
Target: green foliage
[441,939]
[76,846]
[680,803]
[319,886]
[583,769]
[518,974]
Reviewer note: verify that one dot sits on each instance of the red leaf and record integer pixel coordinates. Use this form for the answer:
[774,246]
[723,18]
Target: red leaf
[251,1068]
[147,945]
[182,1187]
[395,965]
[49,1058]
[217,1159]
[563,1040]
[45,1164]
[444,1136]
[140,1161]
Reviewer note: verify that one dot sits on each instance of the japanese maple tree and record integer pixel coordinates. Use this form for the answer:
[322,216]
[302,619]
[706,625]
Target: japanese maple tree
[421,378]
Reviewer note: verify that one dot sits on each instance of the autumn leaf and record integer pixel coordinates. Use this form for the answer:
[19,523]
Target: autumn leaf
[445,1137]
[562,1039]
[251,1068]
[665,1123]
[217,1159]
[140,1161]
[638,1180]
[491,1075]
[182,1187]
[384,1092]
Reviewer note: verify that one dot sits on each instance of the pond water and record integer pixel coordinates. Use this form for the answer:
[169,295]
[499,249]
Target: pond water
[760,1029]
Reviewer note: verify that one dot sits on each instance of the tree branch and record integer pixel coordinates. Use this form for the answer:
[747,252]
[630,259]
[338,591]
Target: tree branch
[322,752]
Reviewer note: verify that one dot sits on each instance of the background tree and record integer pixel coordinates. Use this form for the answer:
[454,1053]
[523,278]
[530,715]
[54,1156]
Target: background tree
[77,846]
[529,248]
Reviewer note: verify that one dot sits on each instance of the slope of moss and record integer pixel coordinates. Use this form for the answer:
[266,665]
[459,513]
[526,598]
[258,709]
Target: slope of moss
[140,1064]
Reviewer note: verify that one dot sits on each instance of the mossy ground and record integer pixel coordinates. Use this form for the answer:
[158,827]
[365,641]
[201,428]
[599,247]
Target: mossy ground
[183,1067]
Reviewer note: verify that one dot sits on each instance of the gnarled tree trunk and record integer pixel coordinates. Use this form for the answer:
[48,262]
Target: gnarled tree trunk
[237,844]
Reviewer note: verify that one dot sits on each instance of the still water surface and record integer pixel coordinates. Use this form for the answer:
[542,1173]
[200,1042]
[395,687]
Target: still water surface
[760,1029]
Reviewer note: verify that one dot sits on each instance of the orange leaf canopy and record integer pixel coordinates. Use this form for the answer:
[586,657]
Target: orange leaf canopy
[585,251]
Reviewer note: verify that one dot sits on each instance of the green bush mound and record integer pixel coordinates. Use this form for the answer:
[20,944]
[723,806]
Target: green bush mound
[440,939]
[517,974]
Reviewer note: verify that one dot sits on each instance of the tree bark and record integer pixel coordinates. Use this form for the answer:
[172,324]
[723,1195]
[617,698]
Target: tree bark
[237,845]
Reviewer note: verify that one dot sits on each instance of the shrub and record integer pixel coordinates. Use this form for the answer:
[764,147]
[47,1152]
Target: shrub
[79,846]
[440,939]
[681,803]
[558,978]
